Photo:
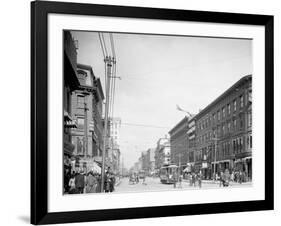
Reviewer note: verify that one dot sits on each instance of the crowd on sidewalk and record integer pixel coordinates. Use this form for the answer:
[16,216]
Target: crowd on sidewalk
[80,182]
[223,178]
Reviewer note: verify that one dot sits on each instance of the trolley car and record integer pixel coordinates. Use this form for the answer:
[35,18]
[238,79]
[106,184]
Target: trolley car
[168,174]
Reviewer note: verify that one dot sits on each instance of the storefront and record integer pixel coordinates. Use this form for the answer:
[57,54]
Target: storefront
[245,166]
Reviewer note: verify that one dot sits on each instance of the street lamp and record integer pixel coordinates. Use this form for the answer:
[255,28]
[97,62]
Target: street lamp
[180,109]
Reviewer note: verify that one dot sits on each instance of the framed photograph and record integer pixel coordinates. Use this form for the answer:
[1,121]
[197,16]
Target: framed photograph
[145,112]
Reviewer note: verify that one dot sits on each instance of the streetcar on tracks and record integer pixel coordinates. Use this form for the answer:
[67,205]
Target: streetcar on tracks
[168,174]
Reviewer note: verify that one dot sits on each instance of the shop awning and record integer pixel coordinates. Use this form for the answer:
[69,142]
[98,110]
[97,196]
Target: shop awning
[187,169]
[95,168]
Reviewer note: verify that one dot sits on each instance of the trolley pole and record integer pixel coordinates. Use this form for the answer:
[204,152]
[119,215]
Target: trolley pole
[108,61]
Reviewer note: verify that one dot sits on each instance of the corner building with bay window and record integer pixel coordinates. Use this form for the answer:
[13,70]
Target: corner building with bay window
[224,132]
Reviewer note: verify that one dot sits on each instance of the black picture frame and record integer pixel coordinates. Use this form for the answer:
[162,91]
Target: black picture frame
[39,112]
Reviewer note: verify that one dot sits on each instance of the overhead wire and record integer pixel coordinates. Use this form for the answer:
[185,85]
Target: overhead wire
[103,47]
[113,73]
[145,125]
[113,68]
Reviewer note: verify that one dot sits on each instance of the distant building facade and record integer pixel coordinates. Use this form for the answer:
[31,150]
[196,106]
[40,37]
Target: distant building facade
[224,132]
[113,152]
[162,154]
[179,143]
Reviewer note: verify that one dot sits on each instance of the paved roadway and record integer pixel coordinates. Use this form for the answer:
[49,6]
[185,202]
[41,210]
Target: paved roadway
[154,184]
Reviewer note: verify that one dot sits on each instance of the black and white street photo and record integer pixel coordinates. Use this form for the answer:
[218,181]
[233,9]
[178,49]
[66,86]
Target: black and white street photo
[156,112]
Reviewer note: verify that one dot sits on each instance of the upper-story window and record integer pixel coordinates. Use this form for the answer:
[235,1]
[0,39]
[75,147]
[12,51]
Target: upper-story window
[234,105]
[80,101]
[80,123]
[223,112]
[219,115]
[250,95]
[241,101]
[228,109]
[88,79]
[214,117]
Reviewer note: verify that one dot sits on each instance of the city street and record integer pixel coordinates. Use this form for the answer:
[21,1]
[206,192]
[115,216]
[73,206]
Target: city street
[154,184]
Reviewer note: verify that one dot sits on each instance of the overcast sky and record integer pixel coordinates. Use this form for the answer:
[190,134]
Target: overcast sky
[159,72]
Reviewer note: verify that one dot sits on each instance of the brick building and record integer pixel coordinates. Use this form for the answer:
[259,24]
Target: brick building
[179,143]
[71,83]
[191,133]
[87,138]
[224,131]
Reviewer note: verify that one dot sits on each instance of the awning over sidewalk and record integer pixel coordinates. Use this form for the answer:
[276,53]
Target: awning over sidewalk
[187,169]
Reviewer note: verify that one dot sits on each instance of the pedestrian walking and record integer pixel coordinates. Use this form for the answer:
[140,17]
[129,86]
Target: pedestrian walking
[106,182]
[180,181]
[232,176]
[98,187]
[226,178]
[174,178]
[199,179]
[80,182]
[189,176]
[143,182]
[193,179]
[112,183]
[221,178]
[91,183]
[71,184]
[240,177]
[66,179]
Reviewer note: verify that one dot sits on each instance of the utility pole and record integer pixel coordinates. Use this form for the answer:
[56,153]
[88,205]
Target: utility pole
[86,124]
[215,159]
[108,61]
[179,156]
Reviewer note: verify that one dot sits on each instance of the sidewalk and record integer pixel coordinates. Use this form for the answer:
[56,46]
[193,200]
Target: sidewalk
[217,182]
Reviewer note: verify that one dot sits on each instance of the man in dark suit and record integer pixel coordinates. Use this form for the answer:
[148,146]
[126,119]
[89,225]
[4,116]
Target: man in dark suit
[80,182]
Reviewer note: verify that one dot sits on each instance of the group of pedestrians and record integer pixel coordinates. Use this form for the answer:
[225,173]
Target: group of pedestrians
[235,176]
[195,179]
[79,182]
